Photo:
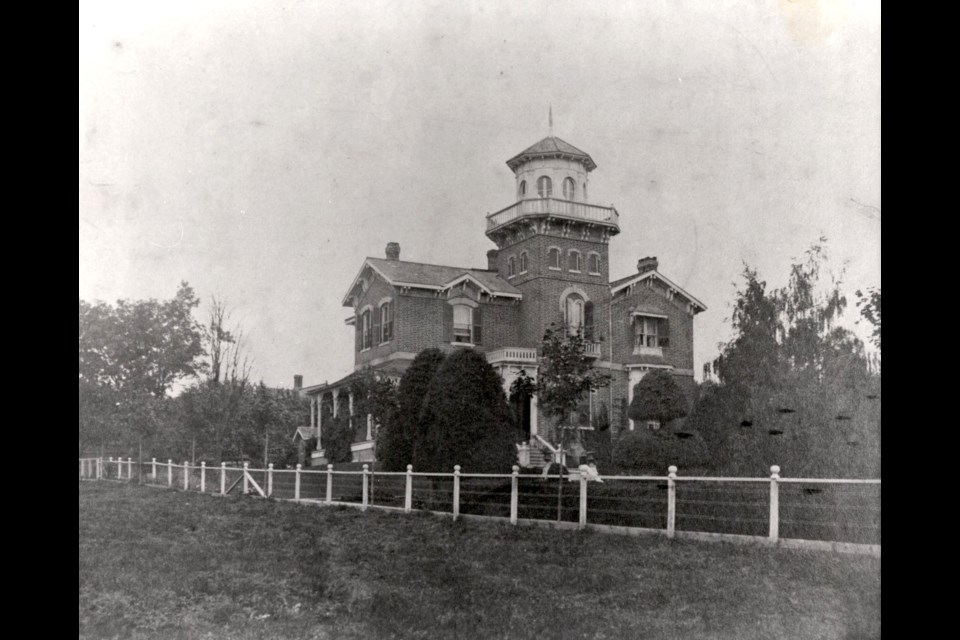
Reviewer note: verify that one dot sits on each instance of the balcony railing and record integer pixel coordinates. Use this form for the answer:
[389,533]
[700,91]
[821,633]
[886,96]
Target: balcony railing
[555,208]
[592,349]
[512,354]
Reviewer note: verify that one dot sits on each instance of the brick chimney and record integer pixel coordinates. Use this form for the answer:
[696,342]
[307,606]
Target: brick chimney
[492,260]
[647,264]
[393,251]
[297,382]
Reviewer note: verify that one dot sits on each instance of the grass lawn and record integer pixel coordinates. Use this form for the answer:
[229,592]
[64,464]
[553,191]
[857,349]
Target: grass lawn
[165,564]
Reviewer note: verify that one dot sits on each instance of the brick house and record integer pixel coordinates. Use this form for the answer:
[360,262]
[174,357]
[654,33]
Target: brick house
[550,265]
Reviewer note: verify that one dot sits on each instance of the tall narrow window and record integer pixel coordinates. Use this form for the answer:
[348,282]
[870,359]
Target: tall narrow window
[553,258]
[544,187]
[522,191]
[593,263]
[523,262]
[462,323]
[511,267]
[386,322]
[574,262]
[584,191]
[569,189]
[366,329]
[573,310]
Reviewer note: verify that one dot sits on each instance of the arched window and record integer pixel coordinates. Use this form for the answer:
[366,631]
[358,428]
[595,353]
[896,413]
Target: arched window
[523,262]
[593,263]
[574,262]
[523,189]
[544,187]
[584,191]
[553,259]
[569,189]
[511,267]
[366,330]
[386,322]
[573,313]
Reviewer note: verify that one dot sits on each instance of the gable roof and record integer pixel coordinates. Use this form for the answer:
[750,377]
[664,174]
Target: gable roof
[623,283]
[401,273]
[552,147]
[304,433]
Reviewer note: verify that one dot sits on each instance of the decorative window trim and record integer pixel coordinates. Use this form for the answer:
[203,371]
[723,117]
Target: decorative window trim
[570,254]
[544,187]
[511,267]
[559,266]
[384,302]
[589,270]
[523,262]
[659,331]
[569,188]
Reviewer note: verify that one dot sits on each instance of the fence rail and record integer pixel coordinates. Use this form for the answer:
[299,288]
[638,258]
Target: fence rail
[818,513]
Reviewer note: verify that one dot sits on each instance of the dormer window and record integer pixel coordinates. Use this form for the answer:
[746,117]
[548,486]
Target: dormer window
[522,191]
[544,187]
[569,189]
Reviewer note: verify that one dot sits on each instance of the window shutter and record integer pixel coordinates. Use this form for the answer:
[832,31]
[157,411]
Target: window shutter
[447,323]
[477,322]
[663,332]
[376,328]
[588,321]
[358,325]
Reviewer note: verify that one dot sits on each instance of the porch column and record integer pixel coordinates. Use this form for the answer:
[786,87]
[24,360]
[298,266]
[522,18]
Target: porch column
[313,411]
[336,395]
[533,415]
[319,419]
[350,406]
[369,427]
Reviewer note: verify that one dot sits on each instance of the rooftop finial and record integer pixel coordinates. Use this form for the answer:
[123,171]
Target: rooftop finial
[551,119]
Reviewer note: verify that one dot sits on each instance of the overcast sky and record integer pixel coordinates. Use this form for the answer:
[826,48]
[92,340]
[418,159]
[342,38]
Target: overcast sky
[260,150]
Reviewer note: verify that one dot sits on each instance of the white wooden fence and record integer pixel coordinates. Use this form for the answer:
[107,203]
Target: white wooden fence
[738,501]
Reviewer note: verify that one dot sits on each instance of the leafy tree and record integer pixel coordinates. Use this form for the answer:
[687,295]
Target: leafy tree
[869,304]
[467,418]
[398,438]
[798,380]
[657,397]
[565,377]
[132,355]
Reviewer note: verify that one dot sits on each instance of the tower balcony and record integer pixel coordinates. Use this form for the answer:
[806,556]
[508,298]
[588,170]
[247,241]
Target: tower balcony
[556,208]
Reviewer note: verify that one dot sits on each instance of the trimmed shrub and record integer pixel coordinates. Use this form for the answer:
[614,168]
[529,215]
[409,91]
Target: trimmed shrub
[657,397]
[466,419]
[396,441]
[646,452]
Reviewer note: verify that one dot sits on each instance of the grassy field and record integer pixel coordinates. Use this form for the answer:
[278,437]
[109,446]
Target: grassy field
[165,564]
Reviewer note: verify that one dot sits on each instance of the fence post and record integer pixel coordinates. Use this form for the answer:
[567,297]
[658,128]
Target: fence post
[246,483]
[329,483]
[223,478]
[99,468]
[408,495]
[774,503]
[81,469]
[365,489]
[514,479]
[456,491]
[186,475]
[130,468]
[296,484]
[203,476]
[153,469]
[671,501]
[169,472]
[583,501]
[269,479]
